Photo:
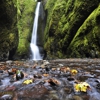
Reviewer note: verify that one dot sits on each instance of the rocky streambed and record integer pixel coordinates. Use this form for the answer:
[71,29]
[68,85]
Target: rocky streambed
[50,80]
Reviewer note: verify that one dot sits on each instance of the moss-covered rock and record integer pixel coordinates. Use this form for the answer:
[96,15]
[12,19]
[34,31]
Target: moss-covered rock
[87,39]
[64,20]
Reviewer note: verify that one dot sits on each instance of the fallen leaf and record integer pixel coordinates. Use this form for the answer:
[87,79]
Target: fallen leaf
[45,75]
[73,71]
[28,81]
[65,69]
[53,81]
[81,87]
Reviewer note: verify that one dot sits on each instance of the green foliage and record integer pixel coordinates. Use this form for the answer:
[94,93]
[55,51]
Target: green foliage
[25,11]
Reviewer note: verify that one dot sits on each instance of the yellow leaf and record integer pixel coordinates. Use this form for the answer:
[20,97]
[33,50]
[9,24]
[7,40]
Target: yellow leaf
[77,87]
[45,75]
[28,81]
[81,87]
[74,71]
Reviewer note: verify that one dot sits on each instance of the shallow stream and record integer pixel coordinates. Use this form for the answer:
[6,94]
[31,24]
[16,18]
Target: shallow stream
[50,80]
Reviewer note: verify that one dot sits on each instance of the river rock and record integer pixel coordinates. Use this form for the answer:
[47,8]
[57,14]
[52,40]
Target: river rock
[36,92]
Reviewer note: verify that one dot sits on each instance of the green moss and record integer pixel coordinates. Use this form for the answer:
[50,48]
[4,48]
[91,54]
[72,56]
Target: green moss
[86,37]
[64,20]
[25,11]
[48,44]
[49,8]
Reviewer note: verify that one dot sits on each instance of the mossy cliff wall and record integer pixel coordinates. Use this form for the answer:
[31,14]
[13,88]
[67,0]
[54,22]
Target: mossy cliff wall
[25,17]
[8,29]
[72,28]
[16,21]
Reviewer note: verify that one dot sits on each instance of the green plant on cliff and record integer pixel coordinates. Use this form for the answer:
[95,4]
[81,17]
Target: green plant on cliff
[25,11]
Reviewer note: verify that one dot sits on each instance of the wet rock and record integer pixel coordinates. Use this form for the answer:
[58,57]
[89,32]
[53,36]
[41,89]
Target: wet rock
[35,65]
[61,65]
[68,90]
[19,64]
[15,86]
[54,82]
[52,91]
[70,78]
[53,69]
[76,97]
[97,80]
[9,62]
[38,76]
[1,71]
[19,75]
[7,95]
[98,87]
[53,95]
[6,81]
[45,75]
[2,67]
[47,68]
[94,96]
[65,69]
[11,71]
[10,88]
[46,62]
[36,92]
[2,63]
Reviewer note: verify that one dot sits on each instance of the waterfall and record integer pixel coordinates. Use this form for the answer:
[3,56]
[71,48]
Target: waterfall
[33,45]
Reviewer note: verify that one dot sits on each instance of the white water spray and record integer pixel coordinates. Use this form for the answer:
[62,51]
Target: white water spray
[34,48]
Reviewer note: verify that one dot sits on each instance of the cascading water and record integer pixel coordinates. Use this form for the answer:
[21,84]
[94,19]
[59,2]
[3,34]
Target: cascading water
[33,45]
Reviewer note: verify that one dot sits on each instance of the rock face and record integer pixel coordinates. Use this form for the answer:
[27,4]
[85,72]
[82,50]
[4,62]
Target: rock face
[72,28]
[8,29]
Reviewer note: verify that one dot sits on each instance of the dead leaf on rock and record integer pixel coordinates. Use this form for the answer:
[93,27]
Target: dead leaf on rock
[45,75]
[53,81]
[65,69]
[53,69]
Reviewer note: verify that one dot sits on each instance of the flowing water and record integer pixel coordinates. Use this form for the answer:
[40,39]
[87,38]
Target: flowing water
[33,45]
[42,72]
